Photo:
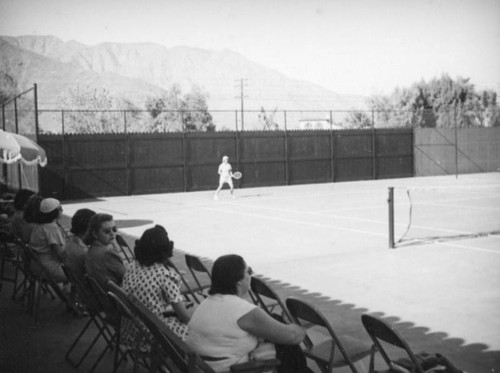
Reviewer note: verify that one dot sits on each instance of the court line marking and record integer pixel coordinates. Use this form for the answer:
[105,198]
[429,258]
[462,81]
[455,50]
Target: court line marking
[295,221]
[467,247]
[318,213]
[364,220]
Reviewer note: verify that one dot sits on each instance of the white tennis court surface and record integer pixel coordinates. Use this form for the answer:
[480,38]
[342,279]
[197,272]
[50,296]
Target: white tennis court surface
[332,239]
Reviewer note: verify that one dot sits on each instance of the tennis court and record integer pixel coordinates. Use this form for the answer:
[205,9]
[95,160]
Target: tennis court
[330,242]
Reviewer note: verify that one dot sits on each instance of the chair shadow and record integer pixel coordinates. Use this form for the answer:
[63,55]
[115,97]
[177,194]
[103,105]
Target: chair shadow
[346,318]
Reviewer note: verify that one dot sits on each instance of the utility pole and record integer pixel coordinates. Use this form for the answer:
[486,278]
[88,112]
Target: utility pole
[242,83]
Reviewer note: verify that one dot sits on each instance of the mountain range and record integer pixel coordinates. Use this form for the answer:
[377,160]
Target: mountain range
[132,72]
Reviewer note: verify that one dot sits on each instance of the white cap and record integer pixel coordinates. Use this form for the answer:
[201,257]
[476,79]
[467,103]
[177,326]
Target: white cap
[48,205]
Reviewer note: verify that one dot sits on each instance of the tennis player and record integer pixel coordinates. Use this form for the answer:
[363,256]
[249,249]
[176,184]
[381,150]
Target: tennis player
[225,176]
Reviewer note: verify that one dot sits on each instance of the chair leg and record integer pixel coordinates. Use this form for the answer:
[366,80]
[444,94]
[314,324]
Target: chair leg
[73,345]
[101,333]
[4,259]
[16,274]
[111,342]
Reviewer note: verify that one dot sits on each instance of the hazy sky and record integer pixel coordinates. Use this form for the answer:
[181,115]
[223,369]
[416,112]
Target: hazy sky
[348,46]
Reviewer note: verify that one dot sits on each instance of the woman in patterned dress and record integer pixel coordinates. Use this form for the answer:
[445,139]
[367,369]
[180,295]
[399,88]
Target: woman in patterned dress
[155,284]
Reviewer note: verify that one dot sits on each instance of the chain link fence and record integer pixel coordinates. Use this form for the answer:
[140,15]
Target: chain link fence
[127,121]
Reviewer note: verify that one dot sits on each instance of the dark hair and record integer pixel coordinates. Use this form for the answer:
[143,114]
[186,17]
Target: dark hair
[153,247]
[22,197]
[32,208]
[43,218]
[95,224]
[226,272]
[80,221]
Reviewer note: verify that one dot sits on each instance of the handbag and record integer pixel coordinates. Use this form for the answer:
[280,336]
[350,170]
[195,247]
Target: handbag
[263,351]
[429,362]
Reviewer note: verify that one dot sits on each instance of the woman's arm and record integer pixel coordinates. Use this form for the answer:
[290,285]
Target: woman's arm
[183,313]
[258,323]
[58,250]
[114,265]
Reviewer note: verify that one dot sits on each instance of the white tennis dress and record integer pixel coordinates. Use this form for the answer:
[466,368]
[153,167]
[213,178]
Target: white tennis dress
[225,173]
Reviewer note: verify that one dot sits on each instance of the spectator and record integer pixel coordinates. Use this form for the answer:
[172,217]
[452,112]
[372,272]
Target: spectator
[103,262]
[17,219]
[226,329]
[154,283]
[30,216]
[47,239]
[75,248]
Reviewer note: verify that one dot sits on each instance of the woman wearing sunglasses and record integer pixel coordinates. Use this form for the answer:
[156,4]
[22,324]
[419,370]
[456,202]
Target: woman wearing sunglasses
[227,329]
[103,262]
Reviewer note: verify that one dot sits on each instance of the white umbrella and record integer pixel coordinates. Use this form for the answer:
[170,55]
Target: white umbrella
[16,148]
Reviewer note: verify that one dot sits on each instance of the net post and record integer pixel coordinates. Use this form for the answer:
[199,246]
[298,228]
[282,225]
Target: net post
[390,203]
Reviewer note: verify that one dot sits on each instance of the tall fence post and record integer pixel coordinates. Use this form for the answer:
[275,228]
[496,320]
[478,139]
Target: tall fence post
[4,166]
[374,149]
[287,174]
[390,203]
[64,162]
[19,169]
[126,155]
[35,99]
[184,152]
[332,168]
[456,144]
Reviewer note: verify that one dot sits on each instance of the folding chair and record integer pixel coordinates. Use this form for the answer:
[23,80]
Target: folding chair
[176,356]
[265,297]
[136,352]
[14,260]
[334,352]
[125,249]
[25,284]
[379,331]
[195,265]
[112,320]
[96,316]
[40,280]
[186,290]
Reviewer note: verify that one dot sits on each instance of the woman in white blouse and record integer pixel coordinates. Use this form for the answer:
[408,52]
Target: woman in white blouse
[226,328]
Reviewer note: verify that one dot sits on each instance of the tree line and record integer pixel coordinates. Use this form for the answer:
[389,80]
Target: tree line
[441,102]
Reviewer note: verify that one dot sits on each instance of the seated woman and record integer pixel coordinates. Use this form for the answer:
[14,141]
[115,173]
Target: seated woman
[226,328]
[103,262]
[47,239]
[30,217]
[155,284]
[75,248]
[17,219]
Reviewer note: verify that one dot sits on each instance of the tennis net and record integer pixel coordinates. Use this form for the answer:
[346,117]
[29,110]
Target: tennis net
[430,214]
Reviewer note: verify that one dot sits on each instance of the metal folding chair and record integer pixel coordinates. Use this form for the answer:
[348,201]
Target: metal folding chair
[335,351]
[199,270]
[112,320]
[186,290]
[135,351]
[39,281]
[382,335]
[10,255]
[96,317]
[265,297]
[125,249]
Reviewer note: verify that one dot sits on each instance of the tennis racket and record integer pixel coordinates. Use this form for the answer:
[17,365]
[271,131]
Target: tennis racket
[237,175]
